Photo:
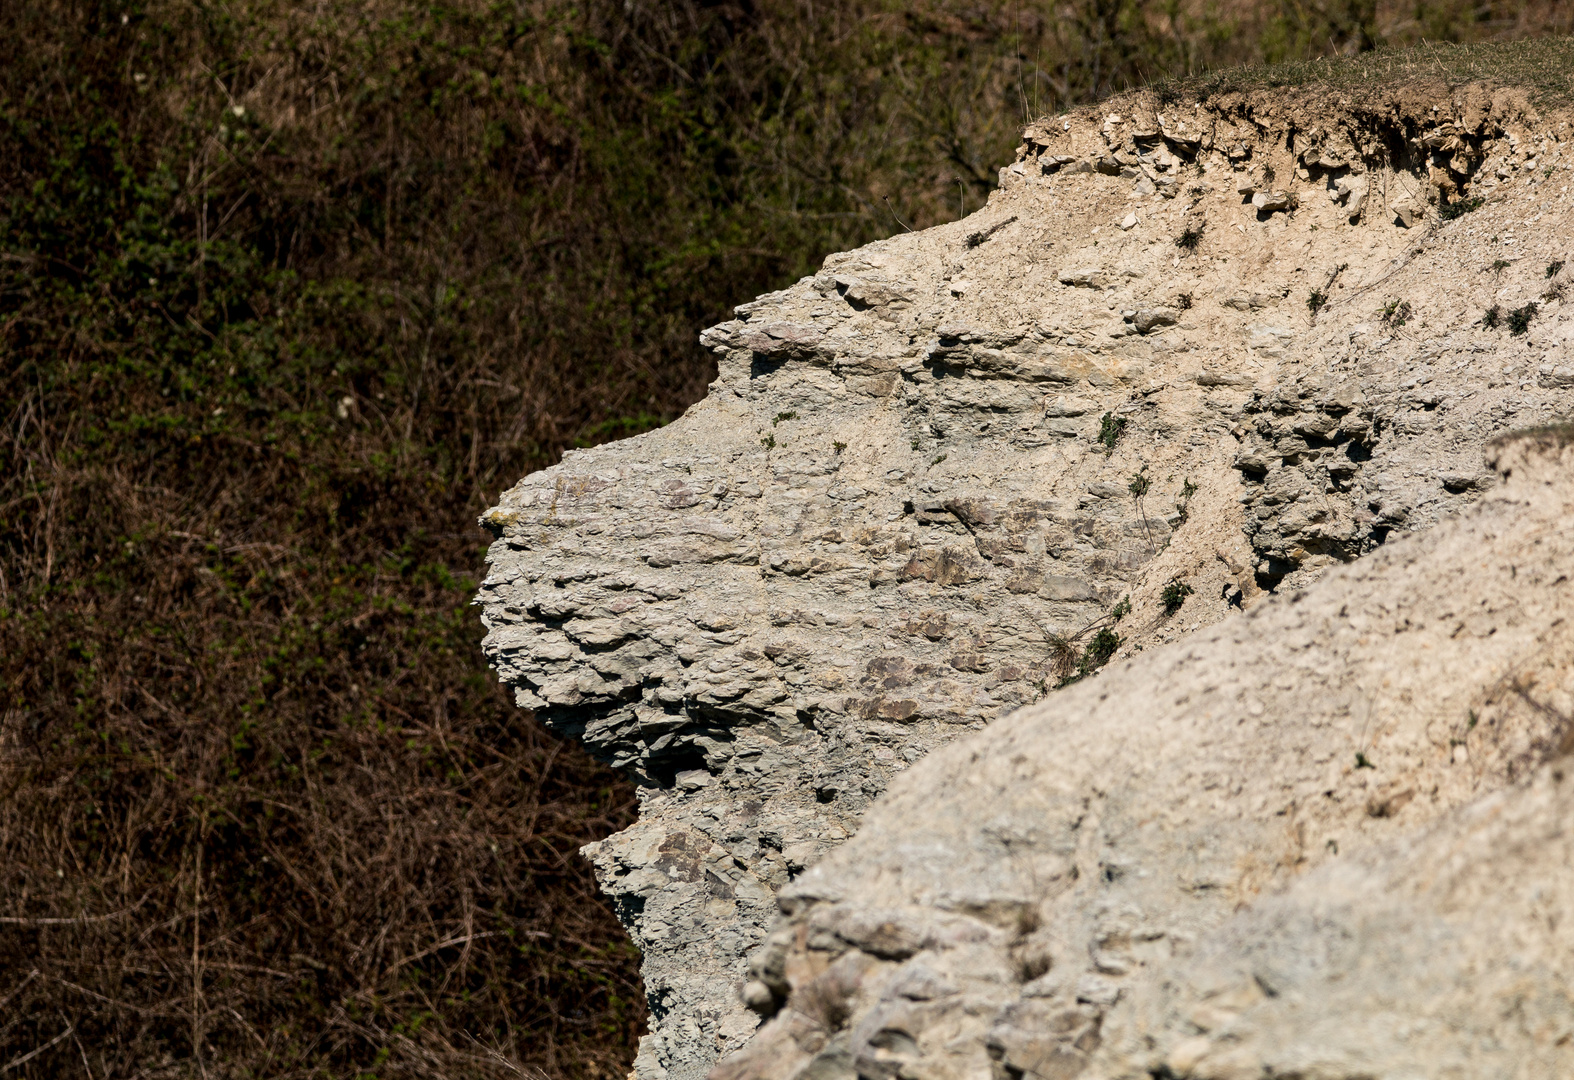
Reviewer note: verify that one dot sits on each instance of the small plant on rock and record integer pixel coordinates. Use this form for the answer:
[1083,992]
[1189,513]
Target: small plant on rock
[1458,209]
[838,446]
[1519,319]
[1111,427]
[1499,265]
[1190,237]
[1558,290]
[1139,486]
[1493,318]
[1316,301]
[1098,652]
[779,417]
[1063,657]
[1184,301]
[1183,504]
[1397,312]
[1070,661]
[1174,595]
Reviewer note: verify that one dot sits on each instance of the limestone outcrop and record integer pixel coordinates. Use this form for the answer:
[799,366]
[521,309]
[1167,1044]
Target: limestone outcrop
[1189,355]
[1058,895]
[1442,955]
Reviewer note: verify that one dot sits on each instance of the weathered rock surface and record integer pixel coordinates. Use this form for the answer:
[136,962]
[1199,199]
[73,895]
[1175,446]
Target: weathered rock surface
[1445,955]
[1057,892]
[910,496]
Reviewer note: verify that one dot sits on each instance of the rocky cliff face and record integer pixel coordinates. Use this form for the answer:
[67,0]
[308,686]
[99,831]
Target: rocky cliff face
[1187,356]
[1058,895]
[1441,954]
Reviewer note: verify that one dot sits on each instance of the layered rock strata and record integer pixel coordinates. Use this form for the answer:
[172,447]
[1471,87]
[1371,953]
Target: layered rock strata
[1192,353]
[1058,895]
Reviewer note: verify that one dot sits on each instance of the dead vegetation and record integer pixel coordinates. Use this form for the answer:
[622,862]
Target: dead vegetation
[287,295]
[1541,68]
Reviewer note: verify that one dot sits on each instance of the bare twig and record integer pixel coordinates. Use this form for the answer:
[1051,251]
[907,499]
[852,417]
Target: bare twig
[196,951]
[465,939]
[31,975]
[899,221]
[14,920]
[31,1054]
[1562,740]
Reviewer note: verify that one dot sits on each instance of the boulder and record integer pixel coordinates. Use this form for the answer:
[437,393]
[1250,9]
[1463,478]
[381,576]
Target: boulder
[1269,202]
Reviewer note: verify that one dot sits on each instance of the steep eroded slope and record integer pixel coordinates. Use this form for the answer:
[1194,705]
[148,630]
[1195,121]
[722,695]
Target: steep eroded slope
[911,499]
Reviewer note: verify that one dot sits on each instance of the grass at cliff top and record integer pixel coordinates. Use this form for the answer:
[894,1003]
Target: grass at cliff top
[1543,68]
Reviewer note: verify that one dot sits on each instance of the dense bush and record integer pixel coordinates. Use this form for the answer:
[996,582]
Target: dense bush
[288,293]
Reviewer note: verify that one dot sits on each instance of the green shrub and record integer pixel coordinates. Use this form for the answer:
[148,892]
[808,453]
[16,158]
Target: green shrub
[1459,208]
[1111,427]
[1100,648]
[1519,319]
[1174,595]
[1397,312]
[1188,491]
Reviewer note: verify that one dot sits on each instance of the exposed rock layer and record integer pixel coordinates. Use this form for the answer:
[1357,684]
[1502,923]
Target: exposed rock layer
[1442,955]
[1005,894]
[899,513]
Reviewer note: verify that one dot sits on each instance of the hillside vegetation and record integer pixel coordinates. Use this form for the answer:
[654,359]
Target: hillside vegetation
[288,294]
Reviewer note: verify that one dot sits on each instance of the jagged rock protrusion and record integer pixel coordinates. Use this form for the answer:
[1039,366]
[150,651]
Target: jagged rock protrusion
[929,478]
